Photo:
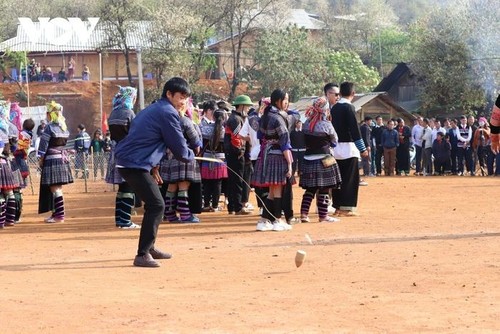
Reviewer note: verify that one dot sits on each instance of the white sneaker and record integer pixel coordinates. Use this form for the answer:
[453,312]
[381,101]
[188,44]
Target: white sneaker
[249,206]
[329,219]
[264,225]
[305,219]
[280,225]
[132,226]
[363,183]
[52,220]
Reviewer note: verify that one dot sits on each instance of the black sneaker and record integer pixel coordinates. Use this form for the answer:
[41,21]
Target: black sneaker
[159,255]
[145,260]
[243,211]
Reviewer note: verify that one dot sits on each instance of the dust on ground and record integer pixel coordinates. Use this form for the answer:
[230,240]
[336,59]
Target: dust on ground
[423,257]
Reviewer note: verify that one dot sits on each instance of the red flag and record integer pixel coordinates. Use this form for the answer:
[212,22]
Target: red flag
[104,123]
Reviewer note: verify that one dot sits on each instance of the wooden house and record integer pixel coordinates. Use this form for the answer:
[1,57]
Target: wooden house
[401,84]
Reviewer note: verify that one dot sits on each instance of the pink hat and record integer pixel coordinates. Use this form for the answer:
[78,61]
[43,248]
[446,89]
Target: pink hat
[482,119]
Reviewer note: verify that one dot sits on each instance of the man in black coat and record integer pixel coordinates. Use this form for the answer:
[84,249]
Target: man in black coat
[349,150]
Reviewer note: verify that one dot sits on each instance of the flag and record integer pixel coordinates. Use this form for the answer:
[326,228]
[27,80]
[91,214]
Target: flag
[104,123]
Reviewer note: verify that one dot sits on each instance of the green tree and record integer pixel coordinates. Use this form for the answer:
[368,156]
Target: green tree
[242,18]
[289,59]
[347,66]
[455,54]
[178,41]
[118,21]
[12,60]
[388,47]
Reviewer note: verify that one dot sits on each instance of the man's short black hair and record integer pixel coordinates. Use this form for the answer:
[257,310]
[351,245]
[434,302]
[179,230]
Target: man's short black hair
[329,86]
[81,126]
[346,88]
[28,124]
[368,118]
[176,85]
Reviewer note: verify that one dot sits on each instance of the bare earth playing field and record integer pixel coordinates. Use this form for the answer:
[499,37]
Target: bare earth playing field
[423,257]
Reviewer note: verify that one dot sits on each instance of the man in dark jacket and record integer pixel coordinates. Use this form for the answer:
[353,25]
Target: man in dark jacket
[366,135]
[348,151]
[82,146]
[379,149]
[234,148]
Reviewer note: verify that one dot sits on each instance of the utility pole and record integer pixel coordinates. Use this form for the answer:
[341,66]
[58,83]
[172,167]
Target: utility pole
[140,78]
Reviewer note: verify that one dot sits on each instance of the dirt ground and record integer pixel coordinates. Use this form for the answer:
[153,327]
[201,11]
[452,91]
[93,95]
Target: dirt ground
[423,257]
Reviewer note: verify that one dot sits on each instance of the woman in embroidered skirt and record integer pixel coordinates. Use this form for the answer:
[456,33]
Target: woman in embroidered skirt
[212,173]
[119,124]
[177,175]
[274,164]
[17,137]
[320,171]
[54,162]
[7,179]
[21,155]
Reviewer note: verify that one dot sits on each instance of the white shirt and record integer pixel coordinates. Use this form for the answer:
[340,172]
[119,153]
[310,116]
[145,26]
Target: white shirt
[346,150]
[416,134]
[435,131]
[427,136]
[247,131]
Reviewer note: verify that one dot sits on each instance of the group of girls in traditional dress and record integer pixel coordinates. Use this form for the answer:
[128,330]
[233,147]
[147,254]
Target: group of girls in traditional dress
[272,167]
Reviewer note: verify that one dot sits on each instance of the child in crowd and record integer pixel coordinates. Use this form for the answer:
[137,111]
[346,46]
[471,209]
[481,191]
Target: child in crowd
[21,157]
[441,150]
[96,145]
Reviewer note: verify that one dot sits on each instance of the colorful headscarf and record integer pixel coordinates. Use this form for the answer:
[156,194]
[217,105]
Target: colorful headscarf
[264,102]
[316,112]
[55,113]
[4,115]
[125,98]
[16,115]
[188,109]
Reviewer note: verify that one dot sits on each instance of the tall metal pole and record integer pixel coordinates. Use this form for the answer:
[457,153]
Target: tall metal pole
[380,54]
[100,86]
[140,78]
[27,79]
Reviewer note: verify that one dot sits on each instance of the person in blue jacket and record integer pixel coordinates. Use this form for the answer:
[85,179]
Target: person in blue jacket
[154,130]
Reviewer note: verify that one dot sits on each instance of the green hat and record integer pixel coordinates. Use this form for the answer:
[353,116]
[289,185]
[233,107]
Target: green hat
[242,100]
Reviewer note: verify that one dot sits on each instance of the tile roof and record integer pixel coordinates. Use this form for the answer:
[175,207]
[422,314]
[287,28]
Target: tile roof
[138,33]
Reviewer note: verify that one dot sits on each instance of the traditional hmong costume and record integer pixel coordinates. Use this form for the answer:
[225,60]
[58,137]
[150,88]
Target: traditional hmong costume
[13,141]
[7,179]
[119,124]
[212,172]
[56,168]
[320,171]
[18,164]
[21,155]
[272,166]
[174,171]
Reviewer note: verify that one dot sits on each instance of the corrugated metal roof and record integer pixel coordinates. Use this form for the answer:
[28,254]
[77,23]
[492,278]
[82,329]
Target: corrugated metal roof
[138,36]
[302,19]
[297,17]
[361,99]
